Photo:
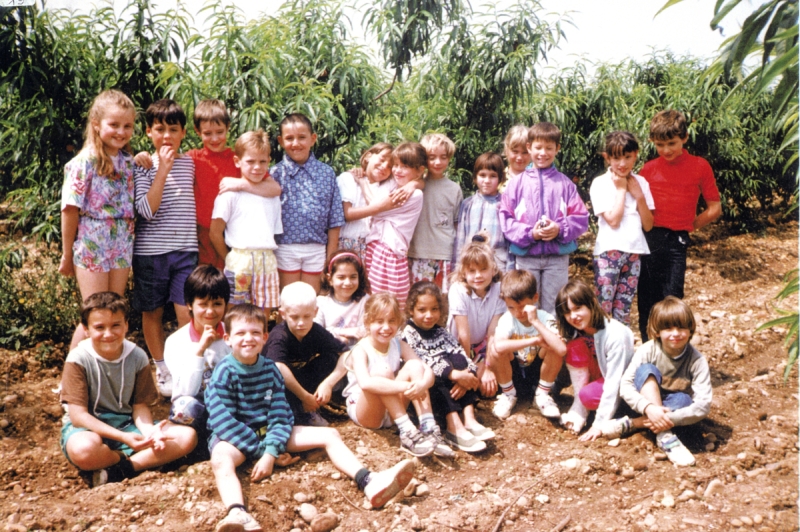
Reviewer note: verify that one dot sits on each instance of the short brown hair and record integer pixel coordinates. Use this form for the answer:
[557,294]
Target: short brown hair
[667,125]
[165,111]
[518,285]
[435,140]
[489,161]
[374,150]
[618,143]
[110,301]
[377,304]
[580,294]
[411,154]
[252,140]
[211,110]
[544,131]
[245,312]
[296,118]
[670,312]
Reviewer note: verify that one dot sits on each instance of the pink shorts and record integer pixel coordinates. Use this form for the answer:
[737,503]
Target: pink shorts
[581,354]
[387,271]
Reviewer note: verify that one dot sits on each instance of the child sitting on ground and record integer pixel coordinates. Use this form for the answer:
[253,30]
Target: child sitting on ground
[107,386]
[306,354]
[668,380]
[340,305]
[249,418]
[527,346]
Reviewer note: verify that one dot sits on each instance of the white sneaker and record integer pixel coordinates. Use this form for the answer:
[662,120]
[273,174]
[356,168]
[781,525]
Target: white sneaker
[164,382]
[677,453]
[383,486]
[504,405]
[546,405]
[312,419]
[616,428]
[238,520]
[573,422]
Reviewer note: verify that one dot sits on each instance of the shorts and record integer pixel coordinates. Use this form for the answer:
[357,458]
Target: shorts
[352,401]
[123,422]
[206,253]
[387,271]
[102,245]
[213,440]
[159,279]
[436,271]
[253,277]
[301,258]
[356,245]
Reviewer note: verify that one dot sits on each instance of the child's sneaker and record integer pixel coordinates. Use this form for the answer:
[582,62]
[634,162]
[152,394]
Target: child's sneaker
[312,419]
[440,447]
[383,486]
[546,405]
[677,453]
[616,428]
[115,473]
[481,433]
[164,382]
[415,443]
[238,520]
[573,422]
[504,405]
[468,445]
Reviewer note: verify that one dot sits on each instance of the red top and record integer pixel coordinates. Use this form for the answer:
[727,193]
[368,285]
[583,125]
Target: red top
[209,169]
[676,186]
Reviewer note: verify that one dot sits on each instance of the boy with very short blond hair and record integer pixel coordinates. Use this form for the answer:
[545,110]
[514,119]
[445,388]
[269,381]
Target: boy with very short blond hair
[542,215]
[525,337]
[430,252]
[243,226]
[306,353]
[677,179]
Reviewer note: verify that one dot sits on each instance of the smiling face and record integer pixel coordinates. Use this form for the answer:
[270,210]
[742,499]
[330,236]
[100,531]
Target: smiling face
[487,182]
[344,281]
[382,329]
[254,164]
[379,167]
[214,135]
[297,140]
[405,174]
[299,318]
[206,311]
[437,162]
[115,129]
[426,312]
[518,158]
[246,339]
[479,277]
[107,331]
[670,149]
[580,317]
[674,340]
[163,134]
[621,165]
[543,153]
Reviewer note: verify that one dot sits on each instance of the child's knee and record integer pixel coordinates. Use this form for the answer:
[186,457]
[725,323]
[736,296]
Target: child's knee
[414,368]
[82,448]
[578,353]
[591,394]
[644,373]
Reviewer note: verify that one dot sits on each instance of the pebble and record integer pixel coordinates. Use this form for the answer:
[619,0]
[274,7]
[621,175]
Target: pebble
[709,447]
[362,451]
[628,472]
[336,476]
[300,497]
[324,522]
[717,314]
[408,491]
[715,486]
[687,495]
[422,490]
[542,498]
[746,520]
[159,522]
[4,423]
[476,488]
[735,522]
[307,512]
[614,443]
[695,522]
[640,465]
[668,501]
[416,523]
[649,520]
[10,399]
[660,456]
[758,444]
[570,463]
[757,519]
[522,502]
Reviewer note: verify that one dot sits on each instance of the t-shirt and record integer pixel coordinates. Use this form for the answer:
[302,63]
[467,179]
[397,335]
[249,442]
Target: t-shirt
[435,232]
[190,373]
[629,236]
[480,311]
[395,228]
[676,186]
[251,221]
[209,169]
[335,315]
[284,347]
[509,328]
[352,194]
[173,227]
[99,197]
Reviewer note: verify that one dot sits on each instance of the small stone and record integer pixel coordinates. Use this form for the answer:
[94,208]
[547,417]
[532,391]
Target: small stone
[408,491]
[735,522]
[717,314]
[422,490]
[659,456]
[687,495]
[586,469]
[636,509]
[758,444]
[746,520]
[10,399]
[324,522]
[714,487]
[649,520]
[709,447]
[416,524]
[159,522]
[300,497]
[542,498]
[694,522]
[570,463]
[522,502]
[758,519]
[628,472]
[4,423]
[668,501]
[640,465]
[476,488]
[307,512]
[711,437]
[13,519]
[362,451]
[336,475]
[614,443]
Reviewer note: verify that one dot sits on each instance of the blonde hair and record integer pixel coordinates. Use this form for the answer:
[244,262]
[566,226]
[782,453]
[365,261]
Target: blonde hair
[436,140]
[478,253]
[378,304]
[102,102]
[252,140]
[517,136]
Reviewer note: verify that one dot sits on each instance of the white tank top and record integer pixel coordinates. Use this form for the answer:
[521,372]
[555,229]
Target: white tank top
[375,359]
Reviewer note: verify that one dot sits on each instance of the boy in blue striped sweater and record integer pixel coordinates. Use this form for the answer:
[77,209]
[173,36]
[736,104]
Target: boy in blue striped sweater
[250,418]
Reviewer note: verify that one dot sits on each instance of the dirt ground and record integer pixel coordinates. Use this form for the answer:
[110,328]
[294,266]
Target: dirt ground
[533,477]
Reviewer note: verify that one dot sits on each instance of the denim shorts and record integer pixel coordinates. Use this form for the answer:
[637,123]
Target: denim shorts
[159,279]
[123,422]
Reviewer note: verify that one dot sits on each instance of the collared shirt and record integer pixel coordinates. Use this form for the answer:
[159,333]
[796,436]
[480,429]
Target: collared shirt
[310,201]
[480,213]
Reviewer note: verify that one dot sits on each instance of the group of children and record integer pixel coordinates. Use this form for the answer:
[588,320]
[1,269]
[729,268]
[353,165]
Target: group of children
[468,298]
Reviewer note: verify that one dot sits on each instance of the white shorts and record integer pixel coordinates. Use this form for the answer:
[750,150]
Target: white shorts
[352,402]
[297,258]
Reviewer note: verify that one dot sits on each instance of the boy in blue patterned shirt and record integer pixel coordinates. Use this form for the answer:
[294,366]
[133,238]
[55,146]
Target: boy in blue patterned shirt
[311,206]
[249,418]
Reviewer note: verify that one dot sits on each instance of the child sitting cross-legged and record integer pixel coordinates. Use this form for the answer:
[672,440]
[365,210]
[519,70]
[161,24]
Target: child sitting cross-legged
[107,386]
[249,418]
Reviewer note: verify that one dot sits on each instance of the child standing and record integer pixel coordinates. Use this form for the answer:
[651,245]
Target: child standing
[526,337]
[384,375]
[311,207]
[668,380]
[249,418]
[97,202]
[677,180]
[480,212]
[453,392]
[340,307]
[246,223]
[622,203]
[475,307]
[165,249]
[107,387]
[542,215]
[598,351]
[431,249]
[515,150]
[387,242]
[306,354]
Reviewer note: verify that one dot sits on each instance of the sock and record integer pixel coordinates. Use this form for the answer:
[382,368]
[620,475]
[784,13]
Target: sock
[508,388]
[362,478]
[427,423]
[161,365]
[579,378]
[404,423]
[544,387]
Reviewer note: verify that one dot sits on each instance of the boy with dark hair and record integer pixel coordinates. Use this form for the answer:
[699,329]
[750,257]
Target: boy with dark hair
[677,180]
[249,418]
[525,336]
[107,387]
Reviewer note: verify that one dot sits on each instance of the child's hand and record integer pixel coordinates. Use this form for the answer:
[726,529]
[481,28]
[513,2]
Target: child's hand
[209,337]
[415,390]
[457,391]
[144,160]
[400,195]
[166,156]
[158,436]
[232,184]
[465,379]
[263,467]
[488,383]
[545,230]
[591,434]
[323,394]
[532,315]
[357,174]
[137,442]
[634,188]
[620,182]
[657,419]
[286,459]
[310,403]
[66,267]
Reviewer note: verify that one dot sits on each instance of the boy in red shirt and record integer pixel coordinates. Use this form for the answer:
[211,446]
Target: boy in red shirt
[677,180]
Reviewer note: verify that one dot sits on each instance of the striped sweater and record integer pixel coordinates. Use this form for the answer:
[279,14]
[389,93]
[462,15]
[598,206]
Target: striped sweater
[247,407]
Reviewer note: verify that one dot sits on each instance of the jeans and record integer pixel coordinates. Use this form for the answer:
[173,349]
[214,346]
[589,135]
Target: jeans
[663,271]
[672,400]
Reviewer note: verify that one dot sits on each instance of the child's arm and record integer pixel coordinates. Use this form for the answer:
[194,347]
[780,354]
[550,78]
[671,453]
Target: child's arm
[325,388]
[614,215]
[551,339]
[712,212]
[267,188]
[144,160]
[418,389]
[279,429]
[645,213]
[217,236]
[618,348]
[333,242]
[463,336]
[400,195]
[575,221]
[486,375]
[308,399]
[154,194]
[369,383]
[70,216]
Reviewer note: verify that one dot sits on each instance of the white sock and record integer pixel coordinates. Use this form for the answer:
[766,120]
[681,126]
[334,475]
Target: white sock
[579,378]
[161,365]
[404,423]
